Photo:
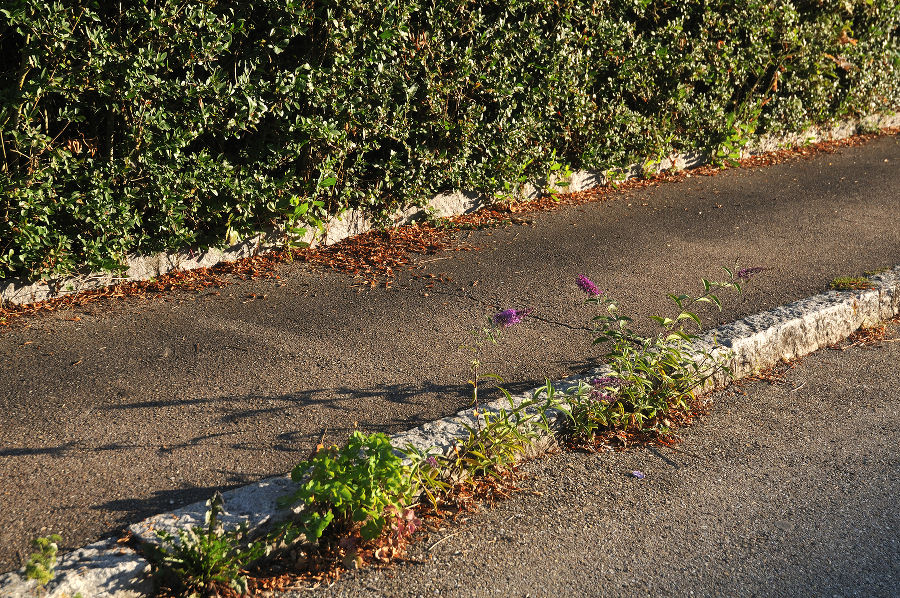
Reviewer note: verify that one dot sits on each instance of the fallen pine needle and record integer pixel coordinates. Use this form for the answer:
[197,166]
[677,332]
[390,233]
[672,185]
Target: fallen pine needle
[447,537]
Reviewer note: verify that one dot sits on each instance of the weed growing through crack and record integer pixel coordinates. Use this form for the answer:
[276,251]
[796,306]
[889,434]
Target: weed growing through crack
[429,476]
[354,488]
[490,333]
[493,444]
[497,436]
[876,271]
[496,442]
[487,454]
[204,561]
[851,283]
[42,562]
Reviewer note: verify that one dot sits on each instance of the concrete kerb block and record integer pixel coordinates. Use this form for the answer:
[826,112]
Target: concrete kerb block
[888,287]
[760,341]
[16,291]
[840,130]
[255,506]
[455,203]
[347,224]
[440,436]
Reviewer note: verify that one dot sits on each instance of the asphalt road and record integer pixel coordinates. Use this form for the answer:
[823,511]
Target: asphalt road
[125,409]
[784,489]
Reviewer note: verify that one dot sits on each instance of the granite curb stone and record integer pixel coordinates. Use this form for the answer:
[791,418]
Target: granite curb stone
[106,569]
[103,569]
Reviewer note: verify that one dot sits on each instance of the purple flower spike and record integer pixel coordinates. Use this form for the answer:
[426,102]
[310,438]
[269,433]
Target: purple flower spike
[638,474]
[609,381]
[432,461]
[587,285]
[600,396]
[509,317]
[748,273]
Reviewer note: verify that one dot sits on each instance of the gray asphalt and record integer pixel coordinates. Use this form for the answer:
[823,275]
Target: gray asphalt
[785,489]
[125,409]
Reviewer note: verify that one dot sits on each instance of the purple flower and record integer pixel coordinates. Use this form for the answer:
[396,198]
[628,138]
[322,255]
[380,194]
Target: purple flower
[748,273]
[609,381]
[600,396]
[638,474]
[432,461]
[587,285]
[509,317]
[602,387]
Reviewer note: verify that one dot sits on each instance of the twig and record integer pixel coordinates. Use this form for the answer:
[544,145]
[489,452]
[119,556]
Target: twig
[798,388]
[434,259]
[404,559]
[448,536]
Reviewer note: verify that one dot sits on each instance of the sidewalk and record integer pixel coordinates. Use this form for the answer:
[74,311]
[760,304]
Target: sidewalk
[787,488]
[122,410]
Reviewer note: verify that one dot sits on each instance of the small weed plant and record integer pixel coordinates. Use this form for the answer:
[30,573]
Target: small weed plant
[736,135]
[851,283]
[497,439]
[876,271]
[361,484]
[201,561]
[42,562]
[490,333]
[493,446]
[489,450]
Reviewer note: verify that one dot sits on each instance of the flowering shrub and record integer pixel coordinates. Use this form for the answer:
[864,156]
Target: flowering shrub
[587,285]
[490,333]
[648,375]
[509,317]
[494,443]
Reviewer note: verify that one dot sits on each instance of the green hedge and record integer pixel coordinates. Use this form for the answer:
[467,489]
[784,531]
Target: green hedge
[142,125]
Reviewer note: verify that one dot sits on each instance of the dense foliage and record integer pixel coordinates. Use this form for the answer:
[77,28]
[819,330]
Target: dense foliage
[144,125]
[364,483]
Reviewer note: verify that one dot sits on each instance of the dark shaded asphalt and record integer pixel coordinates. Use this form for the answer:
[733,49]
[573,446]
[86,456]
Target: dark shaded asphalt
[140,406]
[786,489]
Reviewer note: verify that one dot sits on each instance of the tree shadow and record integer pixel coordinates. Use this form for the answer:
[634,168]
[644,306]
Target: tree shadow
[131,510]
[53,451]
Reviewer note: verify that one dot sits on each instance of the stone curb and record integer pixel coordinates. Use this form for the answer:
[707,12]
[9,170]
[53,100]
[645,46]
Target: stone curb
[108,570]
[16,291]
